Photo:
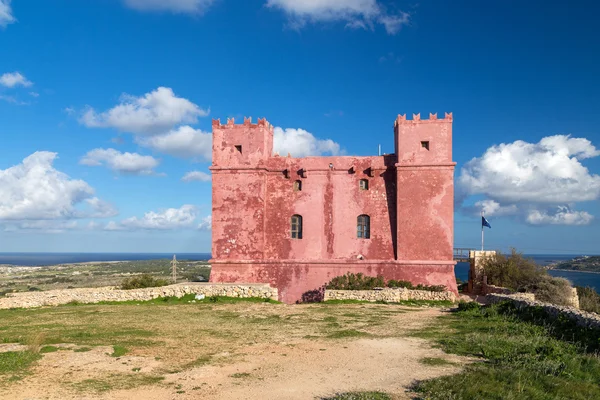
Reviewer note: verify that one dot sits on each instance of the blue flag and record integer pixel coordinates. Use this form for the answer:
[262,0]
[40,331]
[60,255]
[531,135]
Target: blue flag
[484,222]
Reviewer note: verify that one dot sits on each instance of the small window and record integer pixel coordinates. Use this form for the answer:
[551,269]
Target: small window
[296,227]
[238,147]
[363,184]
[425,145]
[363,227]
[297,186]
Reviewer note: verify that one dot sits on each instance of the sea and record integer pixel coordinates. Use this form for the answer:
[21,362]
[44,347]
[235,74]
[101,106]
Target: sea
[461,270]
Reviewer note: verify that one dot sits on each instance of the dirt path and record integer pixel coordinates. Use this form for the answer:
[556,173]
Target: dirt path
[298,369]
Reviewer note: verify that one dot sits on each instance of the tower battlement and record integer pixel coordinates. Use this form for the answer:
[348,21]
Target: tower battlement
[416,119]
[216,123]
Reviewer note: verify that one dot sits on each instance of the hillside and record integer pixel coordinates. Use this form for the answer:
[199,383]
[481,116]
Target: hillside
[585,264]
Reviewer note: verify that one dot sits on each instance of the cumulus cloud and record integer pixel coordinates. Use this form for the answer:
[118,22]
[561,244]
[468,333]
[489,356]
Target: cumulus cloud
[35,190]
[153,113]
[300,143]
[562,215]
[175,6]
[6,16]
[123,163]
[184,141]
[12,79]
[196,176]
[531,179]
[171,218]
[206,224]
[356,13]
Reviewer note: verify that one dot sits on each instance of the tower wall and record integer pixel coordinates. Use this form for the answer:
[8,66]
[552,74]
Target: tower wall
[409,201]
[425,188]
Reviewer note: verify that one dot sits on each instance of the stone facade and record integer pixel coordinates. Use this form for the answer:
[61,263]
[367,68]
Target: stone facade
[389,295]
[581,318]
[95,295]
[408,197]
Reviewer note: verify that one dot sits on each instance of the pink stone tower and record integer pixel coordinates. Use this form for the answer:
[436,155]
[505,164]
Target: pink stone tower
[298,222]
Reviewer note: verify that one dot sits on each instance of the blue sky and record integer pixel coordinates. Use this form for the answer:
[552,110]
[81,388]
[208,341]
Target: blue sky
[117,96]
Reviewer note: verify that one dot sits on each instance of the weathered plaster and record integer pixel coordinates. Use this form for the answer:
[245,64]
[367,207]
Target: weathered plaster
[409,201]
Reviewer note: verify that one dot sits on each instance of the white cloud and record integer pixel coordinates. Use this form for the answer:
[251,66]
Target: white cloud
[153,113]
[35,190]
[123,163]
[300,143]
[172,218]
[174,6]
[13,100]
[493,208]
[527,179]
[184,141]
[6,16]
[196,176]
[356,13]
[43,226]
[100,208]
[12,79]
[206,224]
[34,94]
[562,216]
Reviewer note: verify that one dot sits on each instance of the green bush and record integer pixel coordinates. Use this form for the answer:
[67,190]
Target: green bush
[523,275]
[468,305]
[589,299]
[360,281]
[514,272]
[142,281]
[552,290]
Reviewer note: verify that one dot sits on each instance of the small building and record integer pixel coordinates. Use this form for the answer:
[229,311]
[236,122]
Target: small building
[296,223]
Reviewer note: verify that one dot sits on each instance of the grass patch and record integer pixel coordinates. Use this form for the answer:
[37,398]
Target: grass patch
[435,361]
[524,359]
[359,396]
[48,349]
[347,333]
[14,365]
[118,351]
[198,362]
[82,349]
[239,375]
[117,381]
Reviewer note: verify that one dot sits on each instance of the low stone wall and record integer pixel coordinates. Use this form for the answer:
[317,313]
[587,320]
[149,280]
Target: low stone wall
[95,295]
[390,295]
[581,318]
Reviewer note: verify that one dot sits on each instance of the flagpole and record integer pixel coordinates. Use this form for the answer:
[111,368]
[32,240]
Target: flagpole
[481,230]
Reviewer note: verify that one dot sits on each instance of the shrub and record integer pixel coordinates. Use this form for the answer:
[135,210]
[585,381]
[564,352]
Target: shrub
[358,281]
[399,284]
[514,272]
[142,281]
[589,299]
[468,305]
[552,290]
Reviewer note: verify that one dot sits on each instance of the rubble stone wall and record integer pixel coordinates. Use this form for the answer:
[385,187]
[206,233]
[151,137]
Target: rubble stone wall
[95,295]
[579,317]
[390,295]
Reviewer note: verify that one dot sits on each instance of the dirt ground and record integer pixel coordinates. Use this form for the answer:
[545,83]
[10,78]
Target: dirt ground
[279,362]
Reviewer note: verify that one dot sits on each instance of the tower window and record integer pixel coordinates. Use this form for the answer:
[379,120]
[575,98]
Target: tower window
[425,145]
[363,184]
[296,226]
[363,227]
[297,186]
[238,147]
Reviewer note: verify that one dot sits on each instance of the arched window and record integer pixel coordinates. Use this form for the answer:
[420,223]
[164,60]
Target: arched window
[296,226]
[363,184]
[363,227]
[297,186]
